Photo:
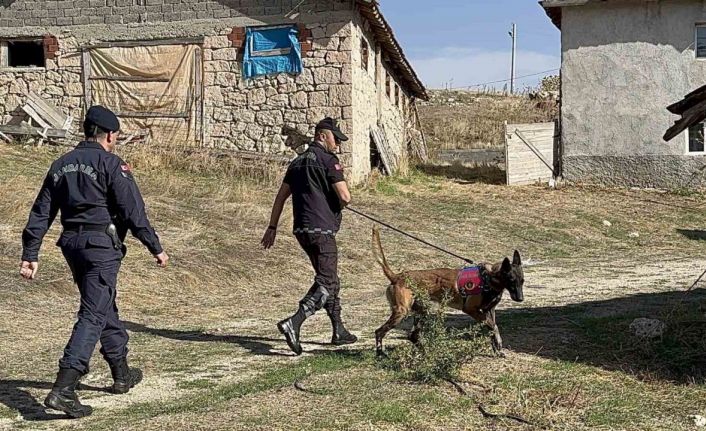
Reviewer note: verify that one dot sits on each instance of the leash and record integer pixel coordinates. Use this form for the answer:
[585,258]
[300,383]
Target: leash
[400,231]
[685,295]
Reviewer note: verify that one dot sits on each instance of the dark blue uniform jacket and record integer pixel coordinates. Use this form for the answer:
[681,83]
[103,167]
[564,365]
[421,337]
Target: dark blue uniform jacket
[91,187]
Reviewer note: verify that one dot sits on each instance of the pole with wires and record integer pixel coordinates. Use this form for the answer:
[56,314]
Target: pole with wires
[513,35]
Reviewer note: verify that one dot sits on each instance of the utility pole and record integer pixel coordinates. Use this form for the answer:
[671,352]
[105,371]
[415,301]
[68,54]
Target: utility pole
[513,35]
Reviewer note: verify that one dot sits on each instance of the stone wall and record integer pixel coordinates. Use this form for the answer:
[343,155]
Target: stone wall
[371,105]
[237,114]
[26,13]
[623,63]
[250,115]
[59,81]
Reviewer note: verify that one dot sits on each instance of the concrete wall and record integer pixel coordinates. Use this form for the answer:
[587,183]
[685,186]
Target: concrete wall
[623,62]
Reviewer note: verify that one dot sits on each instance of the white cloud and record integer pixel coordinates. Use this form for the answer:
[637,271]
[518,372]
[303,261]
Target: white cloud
[468,66]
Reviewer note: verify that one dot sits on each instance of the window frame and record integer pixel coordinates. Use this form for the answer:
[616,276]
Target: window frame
[271,52]
[5,53]
[688,152]
[364,54]
[696,40]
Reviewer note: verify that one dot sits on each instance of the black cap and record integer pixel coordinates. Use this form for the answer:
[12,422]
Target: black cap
[329,123]
[103,118]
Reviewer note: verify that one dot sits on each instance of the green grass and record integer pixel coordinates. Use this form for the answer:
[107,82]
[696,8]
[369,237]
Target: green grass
[393,412]
[197,384]
[274,378]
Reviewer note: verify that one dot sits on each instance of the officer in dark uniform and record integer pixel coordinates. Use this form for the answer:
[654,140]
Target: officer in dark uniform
[319,193]
[99,202]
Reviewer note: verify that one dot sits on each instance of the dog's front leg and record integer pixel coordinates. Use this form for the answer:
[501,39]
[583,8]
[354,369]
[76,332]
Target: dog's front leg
[497,340]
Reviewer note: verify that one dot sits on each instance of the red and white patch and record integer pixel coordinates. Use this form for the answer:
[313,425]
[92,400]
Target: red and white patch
[338,167]
[125,168]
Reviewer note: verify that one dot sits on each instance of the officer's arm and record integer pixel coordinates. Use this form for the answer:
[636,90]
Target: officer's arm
[130,206]
[284,193]
[41,217]
[334,173]
[344,195]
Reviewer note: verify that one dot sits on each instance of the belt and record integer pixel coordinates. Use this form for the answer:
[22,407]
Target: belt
[86,227]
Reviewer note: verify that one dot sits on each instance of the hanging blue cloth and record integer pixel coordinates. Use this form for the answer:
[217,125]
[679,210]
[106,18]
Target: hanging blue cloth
[272,51]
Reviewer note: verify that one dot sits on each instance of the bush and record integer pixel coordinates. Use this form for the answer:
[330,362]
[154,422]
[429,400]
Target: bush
[441,352]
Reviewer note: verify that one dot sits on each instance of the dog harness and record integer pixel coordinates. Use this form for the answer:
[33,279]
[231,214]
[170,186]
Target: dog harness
[472,281]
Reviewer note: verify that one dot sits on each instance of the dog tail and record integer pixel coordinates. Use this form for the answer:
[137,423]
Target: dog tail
[380,256]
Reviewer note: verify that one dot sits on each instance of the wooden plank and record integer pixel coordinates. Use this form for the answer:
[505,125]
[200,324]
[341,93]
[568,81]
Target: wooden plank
[128,78]
[198,96]
[527,128]
[387,156]
[127,114]
[36,117]
[155,42]
[32,131]
[529,152]
[85,77]
[534,150]
[50,113]
[3,55]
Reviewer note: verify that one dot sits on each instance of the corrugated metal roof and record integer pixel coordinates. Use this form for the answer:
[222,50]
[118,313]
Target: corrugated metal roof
[370,10]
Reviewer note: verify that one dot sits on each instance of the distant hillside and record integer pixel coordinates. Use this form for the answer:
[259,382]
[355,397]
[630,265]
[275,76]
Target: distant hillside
[465,119]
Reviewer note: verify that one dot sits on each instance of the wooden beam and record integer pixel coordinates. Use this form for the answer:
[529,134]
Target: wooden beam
[561,3]
[85,77]
[534,149]
[128,78]
[32,131]
[34,115]
[151,115]
[156,42]
[56,118]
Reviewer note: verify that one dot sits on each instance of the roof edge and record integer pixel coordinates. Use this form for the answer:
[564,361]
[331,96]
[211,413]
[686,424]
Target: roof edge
[370,9]
[553,8]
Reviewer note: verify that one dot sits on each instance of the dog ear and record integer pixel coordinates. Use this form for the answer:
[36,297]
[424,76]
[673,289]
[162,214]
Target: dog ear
[506,266]
[516,259]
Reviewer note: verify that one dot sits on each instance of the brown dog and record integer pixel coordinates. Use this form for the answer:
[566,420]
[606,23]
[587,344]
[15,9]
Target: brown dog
[440,284]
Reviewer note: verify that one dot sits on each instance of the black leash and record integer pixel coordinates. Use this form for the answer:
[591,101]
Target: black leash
[409,235]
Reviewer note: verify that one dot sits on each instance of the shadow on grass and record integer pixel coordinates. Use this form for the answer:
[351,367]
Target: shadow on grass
[598,333]
[695,235]
[486,174]
[14,394]
[257,345]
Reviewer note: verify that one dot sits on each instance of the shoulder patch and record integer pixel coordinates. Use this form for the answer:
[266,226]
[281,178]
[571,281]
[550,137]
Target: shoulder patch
[125,168]
[338,167]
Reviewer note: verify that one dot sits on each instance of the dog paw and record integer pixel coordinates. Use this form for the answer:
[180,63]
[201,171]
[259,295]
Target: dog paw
[501,354]
[381,354]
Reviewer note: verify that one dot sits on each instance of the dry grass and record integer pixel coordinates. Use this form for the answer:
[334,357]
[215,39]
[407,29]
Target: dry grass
[203,330]
[466,120]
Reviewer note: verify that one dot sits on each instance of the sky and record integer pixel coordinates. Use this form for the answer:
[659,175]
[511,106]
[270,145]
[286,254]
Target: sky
[460,43]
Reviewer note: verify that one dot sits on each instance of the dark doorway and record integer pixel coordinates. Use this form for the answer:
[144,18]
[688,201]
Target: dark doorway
[375,158]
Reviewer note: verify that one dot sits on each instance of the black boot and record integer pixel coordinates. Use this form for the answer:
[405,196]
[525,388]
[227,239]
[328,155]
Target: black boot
[63,395]
[124,377]
[341,336]
[290,329]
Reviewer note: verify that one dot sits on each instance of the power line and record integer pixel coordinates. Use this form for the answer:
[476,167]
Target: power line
[506,80]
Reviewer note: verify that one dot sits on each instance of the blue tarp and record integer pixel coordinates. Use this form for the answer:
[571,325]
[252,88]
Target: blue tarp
[267,40]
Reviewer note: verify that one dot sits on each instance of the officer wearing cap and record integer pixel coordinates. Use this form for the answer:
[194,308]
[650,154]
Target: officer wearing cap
[319,193]
[99,201]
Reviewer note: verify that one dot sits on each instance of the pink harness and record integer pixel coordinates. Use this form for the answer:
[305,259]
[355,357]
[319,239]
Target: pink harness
[470,281]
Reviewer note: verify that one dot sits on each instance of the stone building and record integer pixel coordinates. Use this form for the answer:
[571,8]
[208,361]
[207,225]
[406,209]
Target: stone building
[623,62]
[175,68]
